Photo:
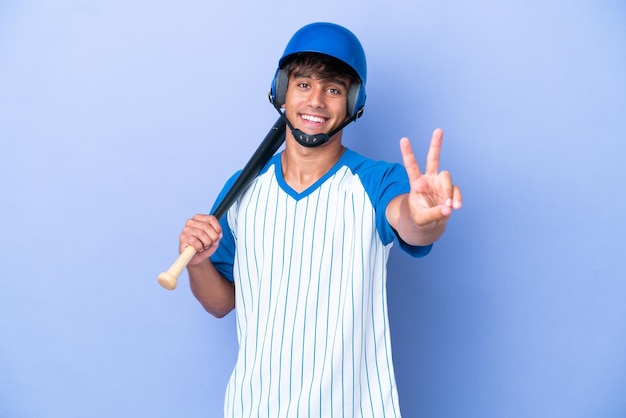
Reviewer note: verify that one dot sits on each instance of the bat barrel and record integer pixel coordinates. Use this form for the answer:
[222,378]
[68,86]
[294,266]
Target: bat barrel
[273,140]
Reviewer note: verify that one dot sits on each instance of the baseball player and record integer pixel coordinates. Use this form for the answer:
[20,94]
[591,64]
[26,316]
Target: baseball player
[302,253]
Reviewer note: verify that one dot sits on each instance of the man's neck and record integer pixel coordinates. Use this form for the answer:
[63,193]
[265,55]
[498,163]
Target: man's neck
[303,166]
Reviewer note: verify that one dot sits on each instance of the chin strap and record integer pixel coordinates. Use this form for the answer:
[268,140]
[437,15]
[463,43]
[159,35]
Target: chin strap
[318,139]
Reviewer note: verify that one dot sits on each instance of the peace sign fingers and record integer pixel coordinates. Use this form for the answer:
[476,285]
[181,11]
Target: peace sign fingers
[432,188]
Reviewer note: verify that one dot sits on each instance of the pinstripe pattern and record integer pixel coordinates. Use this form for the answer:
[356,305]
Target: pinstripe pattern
[310,274]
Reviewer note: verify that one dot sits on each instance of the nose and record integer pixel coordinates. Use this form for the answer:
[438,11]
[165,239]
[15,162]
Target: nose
[316,97]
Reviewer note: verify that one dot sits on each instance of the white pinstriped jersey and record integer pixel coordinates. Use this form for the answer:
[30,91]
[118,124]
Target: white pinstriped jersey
[310,279]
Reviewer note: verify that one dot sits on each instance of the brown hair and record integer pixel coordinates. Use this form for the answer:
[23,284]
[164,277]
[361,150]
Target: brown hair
[322,65]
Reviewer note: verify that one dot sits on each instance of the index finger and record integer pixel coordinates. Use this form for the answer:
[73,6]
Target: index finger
[434,152]
[409,160]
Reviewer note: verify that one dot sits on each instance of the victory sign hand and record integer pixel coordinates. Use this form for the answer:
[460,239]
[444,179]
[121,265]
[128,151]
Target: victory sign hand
[433,196]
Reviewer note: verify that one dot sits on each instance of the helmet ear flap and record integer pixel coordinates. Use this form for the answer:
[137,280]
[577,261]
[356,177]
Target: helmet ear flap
[356,99]
[279,88]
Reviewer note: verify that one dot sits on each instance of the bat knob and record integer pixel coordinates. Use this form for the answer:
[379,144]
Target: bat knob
[167,280]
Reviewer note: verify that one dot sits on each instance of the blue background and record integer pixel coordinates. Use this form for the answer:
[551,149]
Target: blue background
[121,119]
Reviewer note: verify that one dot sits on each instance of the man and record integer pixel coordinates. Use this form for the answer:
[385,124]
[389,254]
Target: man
[302,253]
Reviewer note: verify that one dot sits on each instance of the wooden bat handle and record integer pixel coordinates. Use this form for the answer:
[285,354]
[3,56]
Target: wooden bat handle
[169,279]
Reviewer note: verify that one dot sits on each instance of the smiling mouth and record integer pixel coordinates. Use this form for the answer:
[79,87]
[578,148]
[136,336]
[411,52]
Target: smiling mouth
[313,119]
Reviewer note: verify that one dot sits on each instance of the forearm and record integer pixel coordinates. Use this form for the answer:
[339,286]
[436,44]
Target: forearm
[419,236]
[214,292]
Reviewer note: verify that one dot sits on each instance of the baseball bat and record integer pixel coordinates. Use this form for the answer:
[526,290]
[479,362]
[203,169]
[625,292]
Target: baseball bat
[273,140]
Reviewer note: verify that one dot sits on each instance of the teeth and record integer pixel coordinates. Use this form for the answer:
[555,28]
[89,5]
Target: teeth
[311,118]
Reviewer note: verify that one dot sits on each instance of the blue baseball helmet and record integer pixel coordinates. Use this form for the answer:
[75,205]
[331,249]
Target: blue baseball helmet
[329,39]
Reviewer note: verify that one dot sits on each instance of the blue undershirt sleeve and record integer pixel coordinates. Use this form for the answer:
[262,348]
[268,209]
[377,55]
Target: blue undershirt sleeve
[224,257]
[392,181]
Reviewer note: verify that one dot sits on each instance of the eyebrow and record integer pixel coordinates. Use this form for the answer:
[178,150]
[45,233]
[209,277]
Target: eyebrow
[336,80]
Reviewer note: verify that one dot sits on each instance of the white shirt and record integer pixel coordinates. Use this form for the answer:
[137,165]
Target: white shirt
[310,278]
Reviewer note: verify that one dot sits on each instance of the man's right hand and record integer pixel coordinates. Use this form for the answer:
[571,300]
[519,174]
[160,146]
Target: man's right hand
[203,232]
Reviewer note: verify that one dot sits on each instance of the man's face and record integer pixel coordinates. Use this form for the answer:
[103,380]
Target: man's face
[316,105]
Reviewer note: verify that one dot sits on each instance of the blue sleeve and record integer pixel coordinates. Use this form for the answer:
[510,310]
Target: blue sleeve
[224,256]
[414,250]
[384,182]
